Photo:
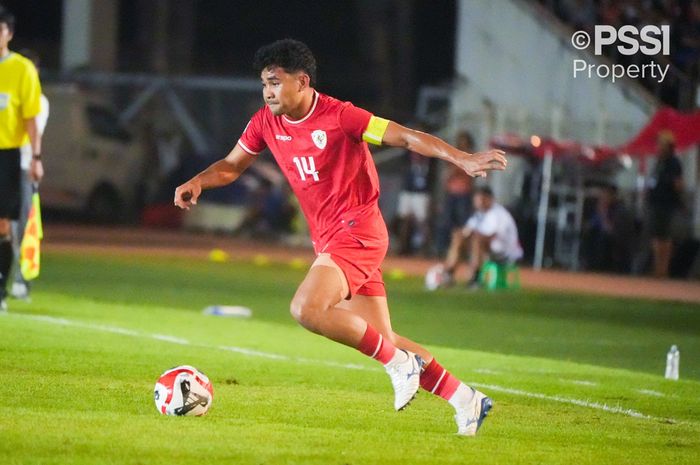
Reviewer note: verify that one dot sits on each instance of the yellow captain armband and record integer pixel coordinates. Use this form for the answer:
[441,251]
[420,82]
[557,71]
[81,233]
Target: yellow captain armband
[375,130]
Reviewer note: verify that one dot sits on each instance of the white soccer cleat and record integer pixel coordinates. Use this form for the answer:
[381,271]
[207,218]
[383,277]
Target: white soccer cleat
[405,377]
[19,291]
[470,414]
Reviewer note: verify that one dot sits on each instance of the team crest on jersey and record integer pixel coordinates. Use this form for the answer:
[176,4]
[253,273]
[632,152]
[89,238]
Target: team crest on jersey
[319,138]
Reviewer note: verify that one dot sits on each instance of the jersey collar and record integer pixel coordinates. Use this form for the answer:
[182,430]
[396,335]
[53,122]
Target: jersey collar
[6,57]
[311,112]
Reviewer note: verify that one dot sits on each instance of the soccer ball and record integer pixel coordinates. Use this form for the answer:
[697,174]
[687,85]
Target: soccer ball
[183,390]
[435,277]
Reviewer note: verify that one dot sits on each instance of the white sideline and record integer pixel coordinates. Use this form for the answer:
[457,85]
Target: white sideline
[273,356]
[566,400]
[580,382]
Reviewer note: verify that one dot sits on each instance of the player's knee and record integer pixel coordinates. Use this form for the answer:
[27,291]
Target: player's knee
[306,311]
[295,309]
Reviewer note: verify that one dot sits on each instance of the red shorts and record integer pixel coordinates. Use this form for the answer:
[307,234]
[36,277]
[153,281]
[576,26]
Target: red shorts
[359,252]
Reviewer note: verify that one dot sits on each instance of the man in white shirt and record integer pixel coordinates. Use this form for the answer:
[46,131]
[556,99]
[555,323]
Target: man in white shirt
[490,233]
[20,287]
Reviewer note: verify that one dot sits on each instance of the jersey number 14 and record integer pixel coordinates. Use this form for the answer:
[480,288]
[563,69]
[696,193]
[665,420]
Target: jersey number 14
[306,167]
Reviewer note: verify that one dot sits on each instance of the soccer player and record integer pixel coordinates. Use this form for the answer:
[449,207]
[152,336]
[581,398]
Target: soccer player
[20,94]
[320,144]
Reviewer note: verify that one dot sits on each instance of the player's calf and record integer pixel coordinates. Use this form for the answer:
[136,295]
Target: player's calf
[471,406]
[402,366]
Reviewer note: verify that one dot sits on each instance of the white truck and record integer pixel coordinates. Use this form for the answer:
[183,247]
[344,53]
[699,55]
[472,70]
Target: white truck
[92,163]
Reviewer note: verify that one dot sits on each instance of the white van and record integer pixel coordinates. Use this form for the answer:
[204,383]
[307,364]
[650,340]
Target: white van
[92,164]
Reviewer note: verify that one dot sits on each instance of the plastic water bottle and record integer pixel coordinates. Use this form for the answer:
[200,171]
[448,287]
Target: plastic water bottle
[673,358]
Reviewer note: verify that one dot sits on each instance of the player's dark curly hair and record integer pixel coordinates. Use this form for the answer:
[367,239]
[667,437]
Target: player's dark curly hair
[7,18]
[289,54]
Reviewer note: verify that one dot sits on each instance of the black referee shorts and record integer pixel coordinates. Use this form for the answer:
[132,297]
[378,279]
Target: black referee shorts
[10,184]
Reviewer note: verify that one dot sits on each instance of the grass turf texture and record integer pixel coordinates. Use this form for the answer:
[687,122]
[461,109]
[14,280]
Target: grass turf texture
[78,385]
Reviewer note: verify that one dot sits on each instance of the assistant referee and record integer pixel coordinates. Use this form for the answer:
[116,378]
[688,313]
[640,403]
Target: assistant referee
[20,93]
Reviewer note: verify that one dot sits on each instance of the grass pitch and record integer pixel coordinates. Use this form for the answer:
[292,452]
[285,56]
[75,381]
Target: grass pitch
[575,379]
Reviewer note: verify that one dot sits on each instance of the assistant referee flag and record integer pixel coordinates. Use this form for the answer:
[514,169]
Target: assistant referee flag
[30,250]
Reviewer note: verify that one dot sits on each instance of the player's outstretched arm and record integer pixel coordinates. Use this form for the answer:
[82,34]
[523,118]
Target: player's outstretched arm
[218,174]
[475,164]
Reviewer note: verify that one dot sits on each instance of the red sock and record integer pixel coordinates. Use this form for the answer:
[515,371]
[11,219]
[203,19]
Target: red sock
[437,380]
[374,345]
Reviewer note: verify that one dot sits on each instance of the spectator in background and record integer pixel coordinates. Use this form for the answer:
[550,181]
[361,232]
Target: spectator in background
[581,13]
[489,234]
[20,287]
[270,212]
[610,234]
[457,205]
[664,200]
[414,201]
[685,38]
[609,12]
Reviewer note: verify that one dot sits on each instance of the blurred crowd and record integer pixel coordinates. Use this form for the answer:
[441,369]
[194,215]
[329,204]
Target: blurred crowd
[440,206]
[683,16]
[443,213]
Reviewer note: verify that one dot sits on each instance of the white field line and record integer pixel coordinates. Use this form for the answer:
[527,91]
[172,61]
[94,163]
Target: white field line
[650,392]
[173,339]
[580,382]
[487,371]
[566,400]
[273,356]
[252,352]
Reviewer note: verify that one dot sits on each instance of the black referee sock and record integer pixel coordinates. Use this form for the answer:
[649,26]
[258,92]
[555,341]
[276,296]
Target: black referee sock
[6,257]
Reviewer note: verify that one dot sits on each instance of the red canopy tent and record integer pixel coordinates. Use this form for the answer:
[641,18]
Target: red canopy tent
[685,128]
[538,147]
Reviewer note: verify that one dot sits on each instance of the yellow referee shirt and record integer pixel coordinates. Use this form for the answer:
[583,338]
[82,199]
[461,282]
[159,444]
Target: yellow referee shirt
[20,94]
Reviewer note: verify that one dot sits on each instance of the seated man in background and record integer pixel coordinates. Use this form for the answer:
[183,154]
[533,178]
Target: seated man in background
[490,234]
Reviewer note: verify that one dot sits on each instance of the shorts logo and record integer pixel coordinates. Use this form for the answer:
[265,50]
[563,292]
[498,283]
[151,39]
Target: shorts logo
[319,138]
[4,100]
[283,138]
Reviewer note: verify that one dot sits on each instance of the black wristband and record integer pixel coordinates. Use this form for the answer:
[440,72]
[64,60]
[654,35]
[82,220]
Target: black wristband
[36,156]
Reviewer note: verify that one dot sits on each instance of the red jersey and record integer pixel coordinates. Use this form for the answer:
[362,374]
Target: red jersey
[327,164]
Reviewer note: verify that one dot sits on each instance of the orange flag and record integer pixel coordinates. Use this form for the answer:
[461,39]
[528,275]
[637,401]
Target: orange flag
[30,249]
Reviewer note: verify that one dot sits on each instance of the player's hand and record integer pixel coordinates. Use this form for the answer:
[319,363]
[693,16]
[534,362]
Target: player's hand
[187,194]
[479,163]
[36,170]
